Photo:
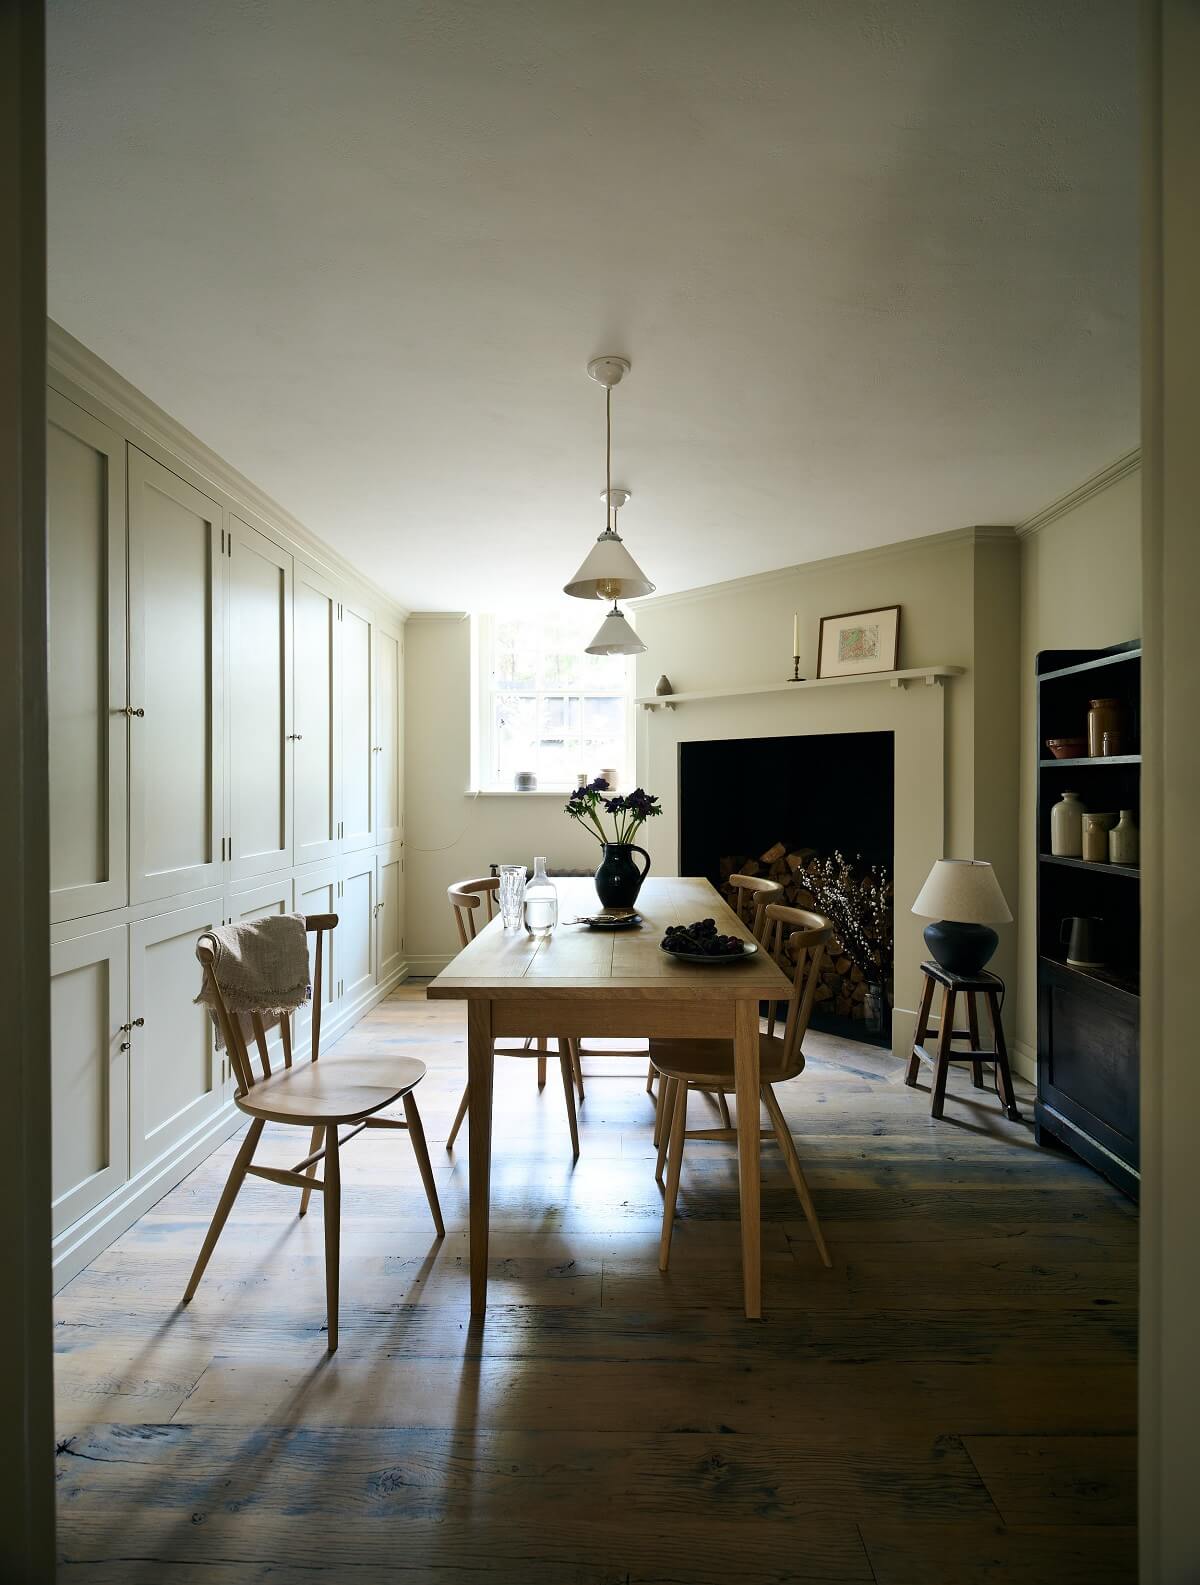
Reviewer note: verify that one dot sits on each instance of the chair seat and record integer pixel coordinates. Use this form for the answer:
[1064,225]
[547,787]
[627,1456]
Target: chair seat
[333,1090]
[709,1063]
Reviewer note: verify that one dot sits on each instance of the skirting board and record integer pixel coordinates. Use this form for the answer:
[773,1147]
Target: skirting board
[1024,1060]
[425,965]
[78,1245]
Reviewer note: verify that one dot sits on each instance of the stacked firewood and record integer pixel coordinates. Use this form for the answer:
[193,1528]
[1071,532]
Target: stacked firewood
[856,897]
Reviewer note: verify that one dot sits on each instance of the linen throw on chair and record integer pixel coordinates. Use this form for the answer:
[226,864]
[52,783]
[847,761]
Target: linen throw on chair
[260,966]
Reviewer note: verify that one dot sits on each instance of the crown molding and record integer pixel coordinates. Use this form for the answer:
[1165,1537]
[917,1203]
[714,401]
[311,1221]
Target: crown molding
[77,363]
[982,534]
[1104,480]
[438,616]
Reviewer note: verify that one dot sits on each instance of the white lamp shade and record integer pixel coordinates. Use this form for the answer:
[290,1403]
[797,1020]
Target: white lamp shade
[609,572]
[616,637]
[964,891]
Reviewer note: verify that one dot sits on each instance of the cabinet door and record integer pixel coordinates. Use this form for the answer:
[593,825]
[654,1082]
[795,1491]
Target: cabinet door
[85,509]
[316,892]
[89,1071]
[260,703]
[257,901]
[317,794]
[356,926]
[388,685]
[389,911]
[357,734]
[175,1073]
[175,677]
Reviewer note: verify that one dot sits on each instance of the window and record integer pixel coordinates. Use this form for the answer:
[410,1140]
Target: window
[546,706]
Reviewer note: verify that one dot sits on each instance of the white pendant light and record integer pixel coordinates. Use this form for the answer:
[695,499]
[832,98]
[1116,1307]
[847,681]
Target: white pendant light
[609,572]
[616,637]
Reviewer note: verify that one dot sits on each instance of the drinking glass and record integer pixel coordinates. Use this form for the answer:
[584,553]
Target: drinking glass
[512,895]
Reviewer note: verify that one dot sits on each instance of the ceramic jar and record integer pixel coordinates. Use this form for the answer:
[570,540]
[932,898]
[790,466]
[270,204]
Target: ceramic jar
[1123,840]
[1095,837]
[1105,717]
[1066,827]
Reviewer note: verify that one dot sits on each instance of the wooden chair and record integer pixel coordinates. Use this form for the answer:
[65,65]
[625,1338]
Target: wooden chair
[753,896]
[320,1096]
[466,899]
[708,1065]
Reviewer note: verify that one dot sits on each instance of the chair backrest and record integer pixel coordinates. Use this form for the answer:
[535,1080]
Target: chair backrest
[238,1028]
[465,897]
[754,892]
[807,935]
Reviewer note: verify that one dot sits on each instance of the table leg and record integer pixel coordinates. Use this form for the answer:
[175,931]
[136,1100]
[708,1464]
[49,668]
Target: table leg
[480,1063]
[1003,1072]
[747,1083]
[973,1026]
[921,1030]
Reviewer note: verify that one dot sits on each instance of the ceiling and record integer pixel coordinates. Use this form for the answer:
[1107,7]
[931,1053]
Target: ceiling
[875,265]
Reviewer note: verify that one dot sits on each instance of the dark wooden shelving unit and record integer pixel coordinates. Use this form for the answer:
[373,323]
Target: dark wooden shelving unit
[1087,1060]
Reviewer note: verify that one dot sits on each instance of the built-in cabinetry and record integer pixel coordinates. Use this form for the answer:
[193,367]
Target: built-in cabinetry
[225,742]
[1087,1061]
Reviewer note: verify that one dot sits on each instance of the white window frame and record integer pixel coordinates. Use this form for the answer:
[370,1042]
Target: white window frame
[483,776]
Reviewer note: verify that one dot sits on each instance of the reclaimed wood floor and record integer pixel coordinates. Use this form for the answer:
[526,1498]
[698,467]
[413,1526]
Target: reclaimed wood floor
[953,1403]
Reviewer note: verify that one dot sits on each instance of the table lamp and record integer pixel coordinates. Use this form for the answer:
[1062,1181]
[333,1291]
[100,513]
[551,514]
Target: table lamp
[964,897]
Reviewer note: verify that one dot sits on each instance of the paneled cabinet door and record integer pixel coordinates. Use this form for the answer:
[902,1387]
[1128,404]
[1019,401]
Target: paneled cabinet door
[357,729]
[89,1071]
[315,891]
[85,510]
[256,901]
[389,911]
[176,827]
[356,926]
[317,790]
[388,693]
[260,703]
[176,1080]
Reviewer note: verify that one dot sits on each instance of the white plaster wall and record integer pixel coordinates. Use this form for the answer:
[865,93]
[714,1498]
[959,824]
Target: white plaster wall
[451,836]
[1081,588]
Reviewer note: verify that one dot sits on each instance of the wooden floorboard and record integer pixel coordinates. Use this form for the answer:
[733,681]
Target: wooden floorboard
[953,1402]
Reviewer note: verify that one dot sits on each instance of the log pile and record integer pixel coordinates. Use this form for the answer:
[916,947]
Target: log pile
[856,898]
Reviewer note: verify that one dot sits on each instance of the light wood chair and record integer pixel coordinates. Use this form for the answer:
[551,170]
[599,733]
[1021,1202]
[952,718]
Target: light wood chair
[754,893]
[466,899]
[320,1096]
[685,1065]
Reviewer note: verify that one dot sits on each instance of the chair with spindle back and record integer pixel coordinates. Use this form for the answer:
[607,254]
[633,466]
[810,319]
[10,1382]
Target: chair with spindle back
[753,895]
[466,899]
[322,1096]
[684,1065]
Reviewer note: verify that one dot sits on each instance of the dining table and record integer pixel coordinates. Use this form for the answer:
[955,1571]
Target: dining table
[582,981]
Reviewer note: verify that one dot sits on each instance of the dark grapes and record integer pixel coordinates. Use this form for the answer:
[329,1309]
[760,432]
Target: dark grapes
[703,940]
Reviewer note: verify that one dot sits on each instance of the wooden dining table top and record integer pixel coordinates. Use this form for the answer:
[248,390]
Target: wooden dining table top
[617,964]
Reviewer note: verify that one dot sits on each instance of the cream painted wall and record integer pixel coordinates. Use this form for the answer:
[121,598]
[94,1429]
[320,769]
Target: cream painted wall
[959,598]
[451,836]
[1081,587]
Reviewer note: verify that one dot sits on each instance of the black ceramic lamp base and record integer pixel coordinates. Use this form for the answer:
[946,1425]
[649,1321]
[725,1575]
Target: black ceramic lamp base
[962,949]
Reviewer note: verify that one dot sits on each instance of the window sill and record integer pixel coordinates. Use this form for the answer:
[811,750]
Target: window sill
[511,792]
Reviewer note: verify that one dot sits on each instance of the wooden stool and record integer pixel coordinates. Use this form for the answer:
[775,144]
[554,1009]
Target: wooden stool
[968,986]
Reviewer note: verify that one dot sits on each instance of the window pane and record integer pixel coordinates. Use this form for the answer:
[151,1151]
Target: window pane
[515,735]
[515,655]
[558,748]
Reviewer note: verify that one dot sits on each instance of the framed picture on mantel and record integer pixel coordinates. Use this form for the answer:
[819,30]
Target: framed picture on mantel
[858,642]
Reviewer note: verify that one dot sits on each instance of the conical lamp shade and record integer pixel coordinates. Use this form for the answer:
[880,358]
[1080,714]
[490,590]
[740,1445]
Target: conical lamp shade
[609,572]
[616,637]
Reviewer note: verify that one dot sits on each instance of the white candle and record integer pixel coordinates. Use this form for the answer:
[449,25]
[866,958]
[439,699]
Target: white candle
[795,634]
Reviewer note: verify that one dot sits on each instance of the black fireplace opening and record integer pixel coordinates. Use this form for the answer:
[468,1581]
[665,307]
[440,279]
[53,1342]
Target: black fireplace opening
[814,812]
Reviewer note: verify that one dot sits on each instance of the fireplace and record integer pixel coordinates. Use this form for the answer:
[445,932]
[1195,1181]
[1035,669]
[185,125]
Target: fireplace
[815,813]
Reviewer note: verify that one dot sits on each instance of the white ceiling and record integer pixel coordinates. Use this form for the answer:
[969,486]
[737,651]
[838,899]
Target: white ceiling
[875,265]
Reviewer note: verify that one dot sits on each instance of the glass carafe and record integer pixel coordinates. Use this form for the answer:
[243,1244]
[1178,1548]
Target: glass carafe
[541,902]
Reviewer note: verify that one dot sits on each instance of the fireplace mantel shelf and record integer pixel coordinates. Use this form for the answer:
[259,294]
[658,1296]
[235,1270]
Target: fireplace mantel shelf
[931,676]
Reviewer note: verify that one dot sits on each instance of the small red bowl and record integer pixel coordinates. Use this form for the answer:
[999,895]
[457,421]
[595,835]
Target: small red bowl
[1067,747]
